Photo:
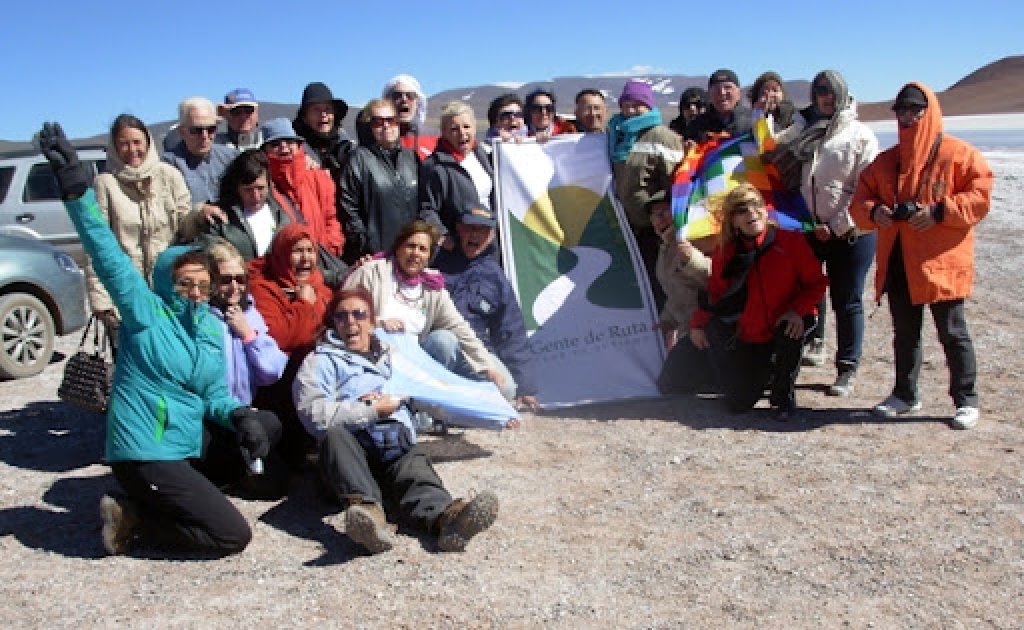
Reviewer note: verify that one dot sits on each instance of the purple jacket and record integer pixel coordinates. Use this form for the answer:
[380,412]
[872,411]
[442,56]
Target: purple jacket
[250,365]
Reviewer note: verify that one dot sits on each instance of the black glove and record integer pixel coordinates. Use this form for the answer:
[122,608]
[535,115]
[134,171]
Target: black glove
[71,174]
[252,437]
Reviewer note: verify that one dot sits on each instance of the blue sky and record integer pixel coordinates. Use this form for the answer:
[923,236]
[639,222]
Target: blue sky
[83,64]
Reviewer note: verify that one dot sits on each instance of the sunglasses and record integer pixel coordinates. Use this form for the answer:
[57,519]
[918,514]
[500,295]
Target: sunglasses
[380,121]
[238,278]
[242,110]
[279,145]
[510,113]
[191,285]
[744,208]
[907,109]
[196,130]
[398,95]
[542,108]
[358,315]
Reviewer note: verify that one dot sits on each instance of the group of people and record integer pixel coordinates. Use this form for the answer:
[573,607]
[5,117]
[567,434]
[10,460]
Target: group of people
[244,272]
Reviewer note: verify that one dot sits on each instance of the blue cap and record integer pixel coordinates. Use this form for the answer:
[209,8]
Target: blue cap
[240,96]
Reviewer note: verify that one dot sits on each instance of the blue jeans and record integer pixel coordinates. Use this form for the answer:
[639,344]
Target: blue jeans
[443,346]
[846,265]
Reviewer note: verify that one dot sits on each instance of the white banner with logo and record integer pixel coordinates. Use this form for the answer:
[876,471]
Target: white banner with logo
[568,251]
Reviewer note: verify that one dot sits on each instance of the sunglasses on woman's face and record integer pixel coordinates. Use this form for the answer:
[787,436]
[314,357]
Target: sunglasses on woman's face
[239,278]
[542,108]
[509,114]
[358,315]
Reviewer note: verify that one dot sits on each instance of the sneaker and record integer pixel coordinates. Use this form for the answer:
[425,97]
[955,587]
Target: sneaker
[843,385]
[965,418]
[893,407]
[462,520]
[814,353]
[120,522]
[367,526]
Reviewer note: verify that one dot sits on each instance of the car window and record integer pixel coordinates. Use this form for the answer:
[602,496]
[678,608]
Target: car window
[6,175]
[41,184]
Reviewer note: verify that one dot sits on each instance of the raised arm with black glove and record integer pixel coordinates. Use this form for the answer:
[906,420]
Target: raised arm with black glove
[72,175]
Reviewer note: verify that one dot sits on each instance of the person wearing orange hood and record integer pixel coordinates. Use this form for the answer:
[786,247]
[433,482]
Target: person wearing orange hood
[924,196]
[290,294]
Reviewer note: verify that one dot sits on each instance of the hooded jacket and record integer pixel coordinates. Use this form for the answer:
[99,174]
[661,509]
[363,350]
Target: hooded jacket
[939,262]
[250,363]
[292,322]
[148,208]
[309,193]
[170,362]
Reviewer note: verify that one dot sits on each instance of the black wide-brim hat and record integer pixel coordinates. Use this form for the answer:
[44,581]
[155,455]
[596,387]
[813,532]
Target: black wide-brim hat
[319,93]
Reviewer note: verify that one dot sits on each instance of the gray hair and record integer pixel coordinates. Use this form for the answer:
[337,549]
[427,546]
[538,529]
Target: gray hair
[194,102]
[453,109]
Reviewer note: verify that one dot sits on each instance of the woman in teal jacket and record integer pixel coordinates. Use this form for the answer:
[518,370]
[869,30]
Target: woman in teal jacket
[169,377]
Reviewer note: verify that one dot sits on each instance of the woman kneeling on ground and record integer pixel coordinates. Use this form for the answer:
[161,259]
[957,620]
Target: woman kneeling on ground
[367,441]
[169,377]
[760,304]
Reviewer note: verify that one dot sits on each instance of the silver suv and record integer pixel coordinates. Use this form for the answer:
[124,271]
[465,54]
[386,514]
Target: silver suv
[30,204]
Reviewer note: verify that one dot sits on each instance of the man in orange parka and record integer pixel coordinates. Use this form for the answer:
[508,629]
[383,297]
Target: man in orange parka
[924,196]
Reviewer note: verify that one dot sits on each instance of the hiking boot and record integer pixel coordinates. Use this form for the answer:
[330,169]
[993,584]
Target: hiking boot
[120,522]
[844,383]
[461,520]
[965,418]
[368,527]
[893,407]
[814,353]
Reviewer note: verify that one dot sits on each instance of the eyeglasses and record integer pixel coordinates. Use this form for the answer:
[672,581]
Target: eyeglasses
[398,95]
[279,145]
[744,208]
[188,286]
[209,130]
[510,113]
[549,108]
[239,278]
[242,110]
[821,90]
[380,121]
[904,109]
[358,315]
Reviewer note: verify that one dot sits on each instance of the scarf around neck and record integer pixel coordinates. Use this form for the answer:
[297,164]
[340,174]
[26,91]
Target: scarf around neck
[431,279]
[623,132]
[447,147]
[132,174]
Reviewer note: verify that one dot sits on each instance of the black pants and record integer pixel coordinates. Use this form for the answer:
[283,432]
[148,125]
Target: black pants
[951,325]
[354,473]
[181,509]
[739,370]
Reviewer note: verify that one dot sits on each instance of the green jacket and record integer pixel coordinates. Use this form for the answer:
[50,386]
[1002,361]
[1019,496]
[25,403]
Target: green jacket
[170,371]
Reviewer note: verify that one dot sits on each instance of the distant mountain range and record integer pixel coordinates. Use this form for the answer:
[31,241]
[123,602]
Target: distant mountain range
[995,88]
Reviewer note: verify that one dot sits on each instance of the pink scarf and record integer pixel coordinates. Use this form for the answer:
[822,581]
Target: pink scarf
[432,279]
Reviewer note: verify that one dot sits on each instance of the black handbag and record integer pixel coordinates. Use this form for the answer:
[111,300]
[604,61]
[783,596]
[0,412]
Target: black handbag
[89,373]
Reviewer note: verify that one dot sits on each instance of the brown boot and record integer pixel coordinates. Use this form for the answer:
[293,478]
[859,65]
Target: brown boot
[120,522]
[461,520]
[367,526]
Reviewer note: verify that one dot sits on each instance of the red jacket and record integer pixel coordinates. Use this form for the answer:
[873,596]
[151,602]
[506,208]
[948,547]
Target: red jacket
[420,144]
[787,277]
[311,193]
[294,324]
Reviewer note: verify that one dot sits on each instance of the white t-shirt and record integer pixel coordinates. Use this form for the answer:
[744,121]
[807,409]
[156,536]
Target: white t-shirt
[263,227]
[408,305]
[480,178]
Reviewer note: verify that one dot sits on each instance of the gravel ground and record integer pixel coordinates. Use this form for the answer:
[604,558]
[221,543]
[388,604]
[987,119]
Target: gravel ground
[647,514]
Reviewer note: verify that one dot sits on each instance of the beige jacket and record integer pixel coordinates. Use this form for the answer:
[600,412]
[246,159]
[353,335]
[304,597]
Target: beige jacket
[681,281]
[148,208]
[378,278]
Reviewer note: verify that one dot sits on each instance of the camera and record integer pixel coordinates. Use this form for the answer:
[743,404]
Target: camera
[903,210]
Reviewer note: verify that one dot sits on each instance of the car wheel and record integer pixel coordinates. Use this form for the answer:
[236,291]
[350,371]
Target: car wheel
[26,336]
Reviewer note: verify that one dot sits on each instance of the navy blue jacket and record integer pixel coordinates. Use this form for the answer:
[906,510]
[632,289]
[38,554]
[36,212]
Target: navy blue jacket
[485,299]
